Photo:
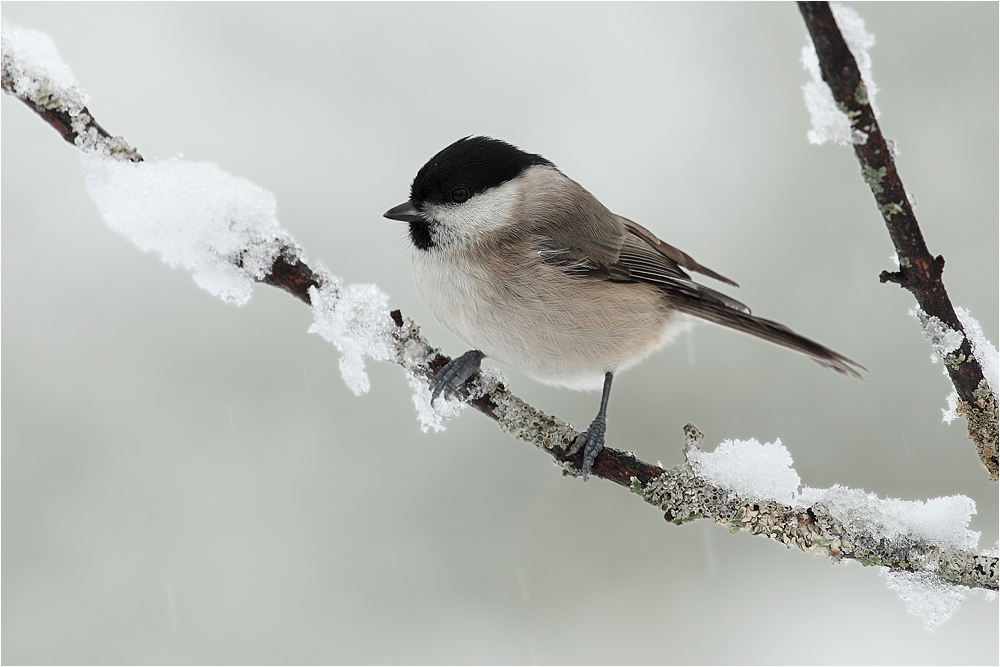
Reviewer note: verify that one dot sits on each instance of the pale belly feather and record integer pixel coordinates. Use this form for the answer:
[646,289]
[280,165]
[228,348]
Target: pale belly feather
[557,329]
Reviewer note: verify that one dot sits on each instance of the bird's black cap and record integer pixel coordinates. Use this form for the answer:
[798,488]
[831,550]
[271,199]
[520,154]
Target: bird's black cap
[473,163]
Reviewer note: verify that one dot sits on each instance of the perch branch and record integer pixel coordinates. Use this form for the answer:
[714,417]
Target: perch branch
[919,272]
[679,492]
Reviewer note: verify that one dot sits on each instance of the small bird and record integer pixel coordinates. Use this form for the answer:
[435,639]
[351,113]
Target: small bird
[531,270]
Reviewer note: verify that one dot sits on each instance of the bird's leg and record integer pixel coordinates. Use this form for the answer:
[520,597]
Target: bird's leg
[592,440]
[454,373]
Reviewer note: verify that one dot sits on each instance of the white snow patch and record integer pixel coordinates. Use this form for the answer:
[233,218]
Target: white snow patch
[750,469]
[940,521]
[443,409]
[829,123]
[944,340]
[950,414]
[765,472]
[221,227]
[37,71]
[432,416]
[926,595]
[859,40]
[356,319]
[943,522]
[982,349]
[755,471]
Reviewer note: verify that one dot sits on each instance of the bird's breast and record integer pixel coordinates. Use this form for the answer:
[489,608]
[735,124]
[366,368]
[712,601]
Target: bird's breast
[522,312]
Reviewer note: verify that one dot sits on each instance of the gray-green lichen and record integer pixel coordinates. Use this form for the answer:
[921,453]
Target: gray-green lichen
[953,360]
[890,209]
[526,423]
[120,149]
[983,427]
[861,93]
[90,140]
[683,497]
[852,115]
[49,98]
[873,177]
[983,391]
[965,569]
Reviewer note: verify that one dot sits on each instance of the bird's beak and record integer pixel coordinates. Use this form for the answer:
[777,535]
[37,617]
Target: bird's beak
[405,212]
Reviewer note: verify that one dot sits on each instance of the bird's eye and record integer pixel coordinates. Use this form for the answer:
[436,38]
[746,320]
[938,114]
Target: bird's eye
[459,195]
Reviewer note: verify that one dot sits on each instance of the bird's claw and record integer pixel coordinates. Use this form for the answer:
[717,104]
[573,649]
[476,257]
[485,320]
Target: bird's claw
[592,442]
[454,373]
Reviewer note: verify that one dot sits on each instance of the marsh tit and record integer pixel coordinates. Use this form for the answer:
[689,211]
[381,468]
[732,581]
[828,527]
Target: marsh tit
[529,269]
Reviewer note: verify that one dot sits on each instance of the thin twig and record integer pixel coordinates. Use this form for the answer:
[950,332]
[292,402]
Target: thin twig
[919,272]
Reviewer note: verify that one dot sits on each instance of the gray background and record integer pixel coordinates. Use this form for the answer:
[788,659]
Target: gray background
[187,481]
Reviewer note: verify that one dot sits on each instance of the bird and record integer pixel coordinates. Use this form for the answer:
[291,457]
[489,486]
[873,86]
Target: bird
[530,270]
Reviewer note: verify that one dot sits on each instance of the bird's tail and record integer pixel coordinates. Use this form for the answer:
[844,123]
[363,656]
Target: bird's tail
[727,316]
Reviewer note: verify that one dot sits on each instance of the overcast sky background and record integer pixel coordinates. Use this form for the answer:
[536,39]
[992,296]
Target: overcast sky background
[188,481]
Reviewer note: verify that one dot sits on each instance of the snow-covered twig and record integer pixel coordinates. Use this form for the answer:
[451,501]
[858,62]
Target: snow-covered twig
[744,485]
[919,272]
[34,73]
[224,230]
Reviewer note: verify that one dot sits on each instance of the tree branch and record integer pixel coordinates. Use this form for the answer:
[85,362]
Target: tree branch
[919,272]
[680,493]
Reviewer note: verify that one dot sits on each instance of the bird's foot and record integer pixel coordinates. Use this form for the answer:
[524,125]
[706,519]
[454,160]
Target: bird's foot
[451,376]
[592,442]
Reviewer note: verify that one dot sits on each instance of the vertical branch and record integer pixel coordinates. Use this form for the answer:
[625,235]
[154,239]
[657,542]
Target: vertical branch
[919,272]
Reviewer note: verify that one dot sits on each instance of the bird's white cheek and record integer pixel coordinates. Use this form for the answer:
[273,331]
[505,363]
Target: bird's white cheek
[482,213]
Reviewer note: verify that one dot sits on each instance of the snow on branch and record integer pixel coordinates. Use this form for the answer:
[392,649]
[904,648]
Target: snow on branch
[921,547]
[224,230]
[34,73]
[842,109]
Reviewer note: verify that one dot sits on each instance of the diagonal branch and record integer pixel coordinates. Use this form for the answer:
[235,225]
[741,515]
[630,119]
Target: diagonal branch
[681,493]
[919,272]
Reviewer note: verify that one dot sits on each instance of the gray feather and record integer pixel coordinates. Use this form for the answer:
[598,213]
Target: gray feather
[769,331]
[571,228]
[667,250]
[640,256]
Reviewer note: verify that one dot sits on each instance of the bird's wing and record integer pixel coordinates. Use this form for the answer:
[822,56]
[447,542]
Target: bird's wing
[641,262]
[605,246]
[580,238]
[643,258]
[670,252]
